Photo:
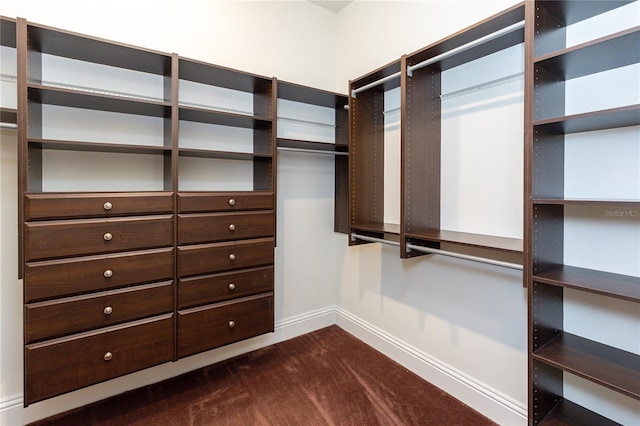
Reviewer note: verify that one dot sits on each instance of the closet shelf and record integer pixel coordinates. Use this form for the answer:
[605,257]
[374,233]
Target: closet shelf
[219,76]
[386,228]
[586,202]
[608,366]
[618,286]
[569,413]
[96,101]
[513,245]
[8,115]
[224,155]
[298,93]
[97,147]
[316,146]
[589,121]
[8,32]
[570,12]
[606,53]
[215,116]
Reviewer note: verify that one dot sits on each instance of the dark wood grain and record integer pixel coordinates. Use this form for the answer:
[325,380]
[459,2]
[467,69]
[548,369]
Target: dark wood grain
[59,145]
[310,95]
[216,75]
[567,413]
[571,12]
[316,146]
[224,155]
[208,116]
[213,227]
[586,122]
[196,202]
[513,245]
[7,32]
[211,326]
[9,115]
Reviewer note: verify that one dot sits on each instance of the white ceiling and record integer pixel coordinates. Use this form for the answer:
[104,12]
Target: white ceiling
[332,5]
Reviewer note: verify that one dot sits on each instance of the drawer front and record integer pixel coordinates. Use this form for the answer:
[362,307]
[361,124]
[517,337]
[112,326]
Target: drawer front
[59,278]
[202,290]
[59,206]
[58,366]
[45,320]
[55,239]
[219,257]
[211,227]
[201,329]
[224,201]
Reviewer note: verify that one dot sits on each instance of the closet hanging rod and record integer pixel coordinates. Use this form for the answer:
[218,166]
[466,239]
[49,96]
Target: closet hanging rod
[311,151]
[486,85]
[465,47]
[314,123]
[355,236]
[375,83]
[430,250]
[8,126]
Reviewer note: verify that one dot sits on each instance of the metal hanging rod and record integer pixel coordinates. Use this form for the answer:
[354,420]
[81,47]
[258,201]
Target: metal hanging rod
[12,126]
[375,83]
[464,256]
[313,123]
[215,108]
[311,151]
[482,86]
[355,236]
[465,47]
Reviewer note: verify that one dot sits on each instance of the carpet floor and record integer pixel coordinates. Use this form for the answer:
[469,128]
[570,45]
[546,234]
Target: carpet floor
[327,377]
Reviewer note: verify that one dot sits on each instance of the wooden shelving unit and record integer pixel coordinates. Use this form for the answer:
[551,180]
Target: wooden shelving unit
[551,64]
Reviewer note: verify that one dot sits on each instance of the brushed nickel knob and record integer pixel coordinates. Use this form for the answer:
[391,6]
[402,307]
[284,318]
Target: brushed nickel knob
[232,227]
[108,273]
[232,257]
[107,206]
[108,310]
[107,236]
[232,202]
[232,324]
[232,286]
[108,356]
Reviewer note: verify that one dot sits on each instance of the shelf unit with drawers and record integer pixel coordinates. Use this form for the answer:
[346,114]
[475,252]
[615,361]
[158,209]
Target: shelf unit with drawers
[553,207]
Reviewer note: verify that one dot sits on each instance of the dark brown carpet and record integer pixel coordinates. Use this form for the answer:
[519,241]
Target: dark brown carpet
[327,377]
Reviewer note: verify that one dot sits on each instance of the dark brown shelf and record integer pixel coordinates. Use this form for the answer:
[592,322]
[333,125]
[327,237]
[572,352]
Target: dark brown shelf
[96,101]
[586,122]
[378,74]
[606,53]
[316,146]
[607,366]
[567,413]
[90,49]
[574,11]
[386,228]
[210,116]
[215,75]
[204,153]
[586,202]
[513,245]
[619,286]
[7,32]
[9,115]
[97,147]
[308,95]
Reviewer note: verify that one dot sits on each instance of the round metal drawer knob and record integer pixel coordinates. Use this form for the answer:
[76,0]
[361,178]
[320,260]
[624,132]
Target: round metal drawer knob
[107,236]
[232,257]
[108,356]
[232,324]
[232,227]
[108,310]
[232,202]
[108,273]
[232,286]
[107,206]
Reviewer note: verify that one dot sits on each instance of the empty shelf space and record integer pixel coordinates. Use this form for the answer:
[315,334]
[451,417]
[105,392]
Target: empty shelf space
[98,101]
[386,228]
[7,32]
[610,367]
[218,116]
[204,153]
[586,202]
[215,75]
[297,93]
[310,145]
[97,147]
[606,53]
[8,115]
[624,287]
[590,121]
[513,245]
[569,413]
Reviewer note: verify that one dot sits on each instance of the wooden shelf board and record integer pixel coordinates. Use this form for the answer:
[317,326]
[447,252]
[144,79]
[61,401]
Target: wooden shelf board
[591,121]
[606,53]
[224,155]
[571,12]
[9,115]
[7,32]
[94,101]
[587,202]
[619,286]
[513,245]
[567,413]
[309,95]
[605,365]
[71,45]
[215,75]
[317,146]
[209,116]
[97,147]
[386,228]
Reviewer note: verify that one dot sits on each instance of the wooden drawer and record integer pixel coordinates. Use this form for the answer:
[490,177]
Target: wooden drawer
[208,327]
[59,278]
[59,206]
[45,320]
[196,202]
[58,366]
[63,238]
[206,289]
[219,257]
[211,227]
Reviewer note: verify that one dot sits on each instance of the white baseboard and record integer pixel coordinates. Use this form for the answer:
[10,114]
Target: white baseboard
[482,398]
